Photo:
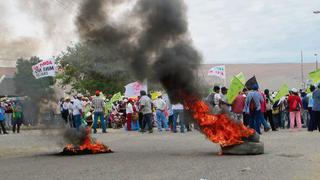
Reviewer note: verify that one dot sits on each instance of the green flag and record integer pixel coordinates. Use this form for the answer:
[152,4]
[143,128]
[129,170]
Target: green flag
[241,78]
[116,97]
[236,86]
[315,76]
[284,90]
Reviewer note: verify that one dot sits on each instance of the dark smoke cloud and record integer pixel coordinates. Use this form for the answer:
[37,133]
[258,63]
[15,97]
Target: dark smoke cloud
[153,38]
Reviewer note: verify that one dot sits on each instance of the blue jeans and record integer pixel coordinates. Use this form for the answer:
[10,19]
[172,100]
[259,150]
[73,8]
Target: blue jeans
[264,121]
[77,120]
[161,119]
[176,113]
[255,118]
[95,121]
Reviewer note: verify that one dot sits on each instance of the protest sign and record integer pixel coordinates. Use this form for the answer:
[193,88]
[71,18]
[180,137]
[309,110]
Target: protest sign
[133,89]
[236,86]
[44,68]
[219,71]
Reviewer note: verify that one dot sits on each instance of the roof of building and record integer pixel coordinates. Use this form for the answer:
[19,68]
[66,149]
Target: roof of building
[7,87]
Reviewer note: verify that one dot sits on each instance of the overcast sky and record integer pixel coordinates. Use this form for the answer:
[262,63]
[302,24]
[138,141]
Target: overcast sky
[224,31]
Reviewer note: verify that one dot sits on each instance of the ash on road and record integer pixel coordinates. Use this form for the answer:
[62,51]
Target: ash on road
[30,155]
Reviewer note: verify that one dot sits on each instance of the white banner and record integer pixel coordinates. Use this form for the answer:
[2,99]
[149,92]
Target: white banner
[44,68]
[133,89]
[219,71]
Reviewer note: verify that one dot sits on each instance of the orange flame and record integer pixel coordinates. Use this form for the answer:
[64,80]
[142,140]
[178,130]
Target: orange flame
[218,128]
[89,145]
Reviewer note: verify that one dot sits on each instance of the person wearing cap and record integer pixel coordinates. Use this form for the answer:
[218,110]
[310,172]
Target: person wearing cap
[161,106]
[77,111]
[98,105]
[295,106]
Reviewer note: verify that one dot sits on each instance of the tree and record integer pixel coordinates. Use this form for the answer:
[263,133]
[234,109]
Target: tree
[35,89]
[90,67]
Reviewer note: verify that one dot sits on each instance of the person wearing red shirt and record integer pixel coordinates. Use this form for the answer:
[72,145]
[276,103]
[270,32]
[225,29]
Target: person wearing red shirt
[295,106]
[238,106]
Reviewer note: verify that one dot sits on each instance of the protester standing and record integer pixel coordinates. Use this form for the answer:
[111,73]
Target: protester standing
[129,112]
[8,114]
[253,108]
[17,117]
[316,107]
[98,105]
[178,112]
[65,109]
[295,106]
[238,106]
[312,123]
[77,111]
[2,119]
[161,106]
[145,104]
[268,113]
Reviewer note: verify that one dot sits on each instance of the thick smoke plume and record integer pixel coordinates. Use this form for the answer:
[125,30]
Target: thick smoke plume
[153,38]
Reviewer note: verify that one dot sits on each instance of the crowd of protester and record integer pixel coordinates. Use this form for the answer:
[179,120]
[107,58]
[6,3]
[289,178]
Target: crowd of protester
[257,109]
[11,116]
[134,114]
[254,108]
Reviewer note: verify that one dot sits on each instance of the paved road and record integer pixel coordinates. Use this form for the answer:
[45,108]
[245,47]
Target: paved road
[30,155]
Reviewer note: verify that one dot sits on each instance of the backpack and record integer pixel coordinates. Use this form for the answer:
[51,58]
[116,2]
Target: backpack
[252,106]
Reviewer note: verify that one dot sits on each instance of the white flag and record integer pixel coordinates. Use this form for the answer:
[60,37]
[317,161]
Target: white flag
[133,89]
[44,68]
[219,71]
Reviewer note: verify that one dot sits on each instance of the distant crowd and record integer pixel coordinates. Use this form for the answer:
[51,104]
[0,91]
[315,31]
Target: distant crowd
[258,109]
[11,113]
[134,114]
[254,108]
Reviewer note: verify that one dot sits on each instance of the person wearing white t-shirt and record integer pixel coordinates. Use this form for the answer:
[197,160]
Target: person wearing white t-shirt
[129,112]
[77,111]
[160,113]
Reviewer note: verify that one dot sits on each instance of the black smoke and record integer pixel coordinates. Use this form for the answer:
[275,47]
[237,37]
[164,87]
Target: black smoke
[153,38]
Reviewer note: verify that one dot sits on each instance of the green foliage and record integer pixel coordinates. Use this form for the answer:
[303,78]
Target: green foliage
[27,85]
[87,68]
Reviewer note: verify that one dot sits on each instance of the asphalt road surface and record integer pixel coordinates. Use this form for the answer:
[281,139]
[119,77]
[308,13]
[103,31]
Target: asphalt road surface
[31,155]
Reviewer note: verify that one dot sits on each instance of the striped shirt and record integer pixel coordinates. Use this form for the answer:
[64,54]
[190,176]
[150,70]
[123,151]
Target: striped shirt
[98,104]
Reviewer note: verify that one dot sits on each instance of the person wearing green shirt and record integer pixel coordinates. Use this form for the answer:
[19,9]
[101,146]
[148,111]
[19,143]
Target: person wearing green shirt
[17,117]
